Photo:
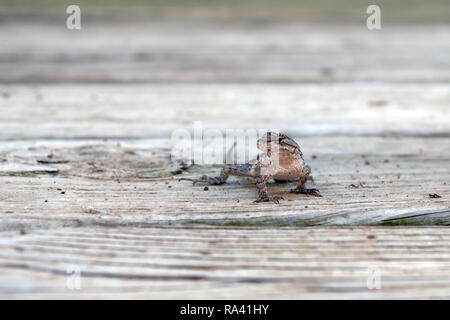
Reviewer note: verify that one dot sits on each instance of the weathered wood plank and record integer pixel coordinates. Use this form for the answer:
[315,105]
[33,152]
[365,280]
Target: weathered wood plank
[167,50]
[375,162]
[358,188]
[148,111]
[228,262]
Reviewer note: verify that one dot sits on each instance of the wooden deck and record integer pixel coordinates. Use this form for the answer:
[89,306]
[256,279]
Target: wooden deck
[227,262]
[86,178]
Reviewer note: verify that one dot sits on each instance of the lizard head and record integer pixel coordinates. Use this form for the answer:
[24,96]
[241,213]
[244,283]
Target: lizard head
[272,140]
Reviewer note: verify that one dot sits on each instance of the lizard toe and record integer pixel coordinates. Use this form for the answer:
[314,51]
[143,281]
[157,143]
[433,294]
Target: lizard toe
[274,199]
[312,192]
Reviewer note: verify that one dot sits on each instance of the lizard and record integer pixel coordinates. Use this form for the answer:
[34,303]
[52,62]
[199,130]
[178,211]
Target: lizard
[282,160]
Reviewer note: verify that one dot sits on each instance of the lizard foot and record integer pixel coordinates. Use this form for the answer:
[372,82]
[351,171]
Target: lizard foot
[313,192]
[274,199]
[204,179]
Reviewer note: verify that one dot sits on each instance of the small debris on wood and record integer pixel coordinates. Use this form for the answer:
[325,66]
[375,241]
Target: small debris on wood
[45,161]
[377,103]
[178,171]
[326,72]
[314,156]
[182,167]
[89,210]
[6,95]
[356,186]
[434,196]
[205,189]
[371,236]
[367,163]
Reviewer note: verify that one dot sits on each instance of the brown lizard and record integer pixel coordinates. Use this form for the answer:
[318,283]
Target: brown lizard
[282,160]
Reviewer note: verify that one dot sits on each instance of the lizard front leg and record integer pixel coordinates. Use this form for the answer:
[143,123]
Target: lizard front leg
[300,189]
[263,195]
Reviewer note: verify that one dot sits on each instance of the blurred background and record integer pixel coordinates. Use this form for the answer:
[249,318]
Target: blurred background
[331,71]
[319,11]
[219,40]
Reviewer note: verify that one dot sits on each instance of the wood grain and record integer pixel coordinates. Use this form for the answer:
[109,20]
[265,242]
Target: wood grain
[200,263]
[162,50]
[87,178]
[376,165]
